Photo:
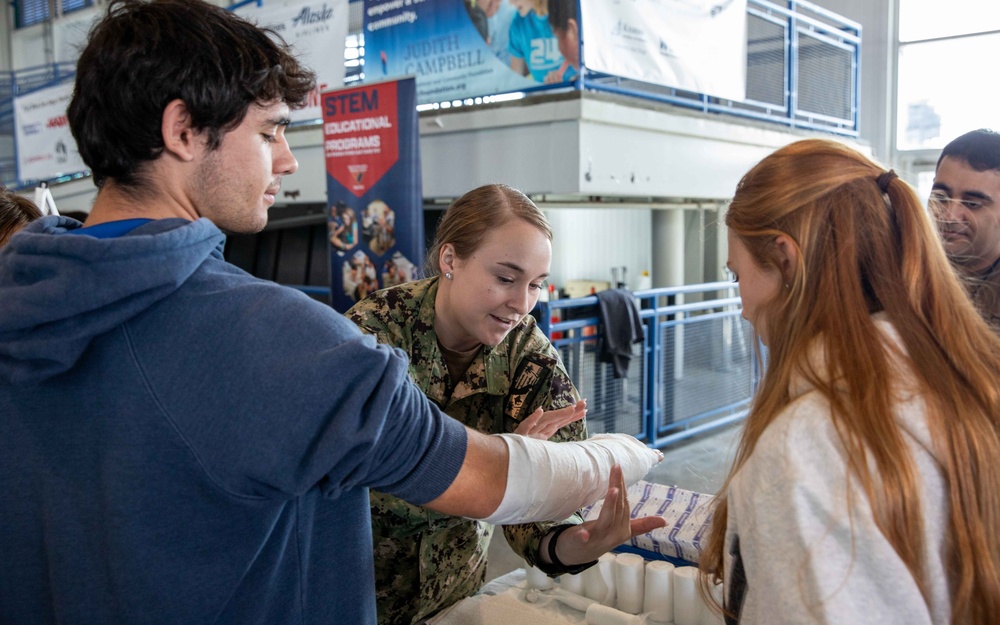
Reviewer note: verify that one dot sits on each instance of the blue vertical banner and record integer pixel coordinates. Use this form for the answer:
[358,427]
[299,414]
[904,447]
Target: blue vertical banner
[374,194]
[459,49]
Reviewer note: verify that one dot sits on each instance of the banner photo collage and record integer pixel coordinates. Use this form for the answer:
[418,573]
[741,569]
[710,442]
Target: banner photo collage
[464,48]
[374,192]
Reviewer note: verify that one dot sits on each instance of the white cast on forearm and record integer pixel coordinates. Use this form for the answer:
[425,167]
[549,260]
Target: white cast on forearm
[549,481]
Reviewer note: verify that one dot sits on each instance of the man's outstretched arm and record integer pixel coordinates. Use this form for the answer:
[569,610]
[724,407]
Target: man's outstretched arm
[510,478]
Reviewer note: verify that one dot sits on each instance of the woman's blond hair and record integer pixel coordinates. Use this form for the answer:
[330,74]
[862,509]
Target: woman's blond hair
[860,252]
[472,217]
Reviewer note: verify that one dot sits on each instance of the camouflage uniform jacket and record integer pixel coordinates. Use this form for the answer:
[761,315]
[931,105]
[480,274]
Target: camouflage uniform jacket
[984,289]
[424,560]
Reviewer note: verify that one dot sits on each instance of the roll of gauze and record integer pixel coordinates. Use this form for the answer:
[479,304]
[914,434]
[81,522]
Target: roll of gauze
[687,601]
[572,600]
[598,614]
[538,579]
[606,564]
[630,579]
[549,481]
[658,598]
[598,580]
[572,583]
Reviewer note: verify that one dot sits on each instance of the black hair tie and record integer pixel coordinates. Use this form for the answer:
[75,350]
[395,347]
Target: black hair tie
[884,179]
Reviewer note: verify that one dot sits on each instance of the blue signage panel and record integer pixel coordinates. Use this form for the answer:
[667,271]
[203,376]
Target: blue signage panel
[375,200]
[459,49]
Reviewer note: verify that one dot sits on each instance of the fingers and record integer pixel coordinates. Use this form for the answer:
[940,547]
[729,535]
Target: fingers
[567,415]
[612,523]
[527,426]
[612,527]
[623,511]
[641,525]
[542,425]
[646,524]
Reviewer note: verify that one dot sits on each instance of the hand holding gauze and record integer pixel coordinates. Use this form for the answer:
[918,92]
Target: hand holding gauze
[549,481]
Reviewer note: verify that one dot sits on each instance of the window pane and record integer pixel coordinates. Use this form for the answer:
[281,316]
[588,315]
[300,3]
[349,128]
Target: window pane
[925,182]
[31,12]
[928,19]
[75,5]
[354,57]
[943,91]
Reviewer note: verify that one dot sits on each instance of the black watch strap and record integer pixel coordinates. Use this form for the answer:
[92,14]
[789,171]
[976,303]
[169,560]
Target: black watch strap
[556,567]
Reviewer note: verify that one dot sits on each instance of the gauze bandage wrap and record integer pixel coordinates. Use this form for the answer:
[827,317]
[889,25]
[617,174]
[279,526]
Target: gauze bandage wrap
[550,481]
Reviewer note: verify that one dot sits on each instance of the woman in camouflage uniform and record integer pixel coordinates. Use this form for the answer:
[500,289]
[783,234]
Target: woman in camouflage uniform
[477,353]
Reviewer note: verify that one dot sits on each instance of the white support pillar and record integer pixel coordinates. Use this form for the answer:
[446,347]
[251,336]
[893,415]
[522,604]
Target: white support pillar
[668,247]
[668,268]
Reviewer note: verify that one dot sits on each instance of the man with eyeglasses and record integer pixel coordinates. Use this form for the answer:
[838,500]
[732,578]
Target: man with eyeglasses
[966,202]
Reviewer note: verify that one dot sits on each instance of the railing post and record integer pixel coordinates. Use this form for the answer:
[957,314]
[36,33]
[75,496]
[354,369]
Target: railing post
[793,65]
[652,371]
[545,320]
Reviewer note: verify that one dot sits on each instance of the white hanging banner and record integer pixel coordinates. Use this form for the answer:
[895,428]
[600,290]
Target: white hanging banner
[45,145]
[316,32]
[694,45]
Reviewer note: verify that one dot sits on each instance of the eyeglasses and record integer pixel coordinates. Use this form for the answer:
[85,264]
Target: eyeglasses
[942,198]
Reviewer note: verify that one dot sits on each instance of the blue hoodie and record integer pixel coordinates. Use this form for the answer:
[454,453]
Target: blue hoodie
[183,443]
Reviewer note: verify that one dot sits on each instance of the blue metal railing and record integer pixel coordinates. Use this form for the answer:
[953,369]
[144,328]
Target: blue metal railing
[695,370]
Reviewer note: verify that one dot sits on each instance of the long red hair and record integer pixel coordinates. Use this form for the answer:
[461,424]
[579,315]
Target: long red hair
[862,252]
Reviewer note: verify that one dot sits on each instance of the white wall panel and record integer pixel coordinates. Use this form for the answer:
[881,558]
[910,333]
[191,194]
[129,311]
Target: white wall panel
[587,242]
[308,184]
[533,147]
[592,146]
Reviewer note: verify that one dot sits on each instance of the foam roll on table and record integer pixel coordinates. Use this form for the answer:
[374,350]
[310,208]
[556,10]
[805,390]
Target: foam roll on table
[687,601]
[630,570]
[598,614]
[658,598]
[573,584]
[538,579]
[599,580]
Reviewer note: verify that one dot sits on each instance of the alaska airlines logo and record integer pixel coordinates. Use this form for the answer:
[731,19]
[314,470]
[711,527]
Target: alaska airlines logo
[628,31]
[308,16]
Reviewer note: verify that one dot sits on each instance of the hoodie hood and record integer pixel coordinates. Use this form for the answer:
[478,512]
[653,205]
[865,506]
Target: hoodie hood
[58,292]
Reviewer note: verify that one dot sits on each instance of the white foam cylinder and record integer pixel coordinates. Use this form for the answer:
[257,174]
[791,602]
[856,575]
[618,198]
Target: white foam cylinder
[687,603]
[599,580]
[594,586]
[572,600]
[630,580]
[573,584]
[538,579]
[658,598]
[710,616]
[598,614]
[606,563]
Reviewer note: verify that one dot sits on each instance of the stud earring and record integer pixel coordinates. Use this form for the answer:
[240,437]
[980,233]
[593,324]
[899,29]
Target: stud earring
[447,275]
